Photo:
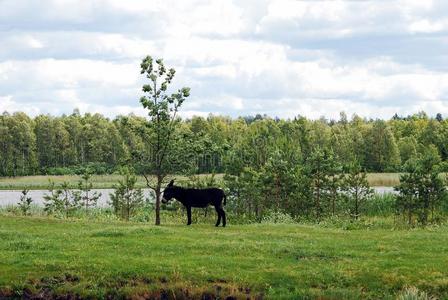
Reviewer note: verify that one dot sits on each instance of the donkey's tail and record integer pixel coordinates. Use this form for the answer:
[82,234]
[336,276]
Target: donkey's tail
[224,197]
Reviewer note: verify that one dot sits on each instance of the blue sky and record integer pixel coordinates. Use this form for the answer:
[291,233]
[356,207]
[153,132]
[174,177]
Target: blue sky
[282,58]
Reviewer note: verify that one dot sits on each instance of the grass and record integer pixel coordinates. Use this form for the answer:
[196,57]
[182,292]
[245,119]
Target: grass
[41,181]
[383,179]
[108,181]
[48,257]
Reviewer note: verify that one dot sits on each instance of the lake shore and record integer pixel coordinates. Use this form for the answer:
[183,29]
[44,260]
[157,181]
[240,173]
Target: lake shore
[40,182]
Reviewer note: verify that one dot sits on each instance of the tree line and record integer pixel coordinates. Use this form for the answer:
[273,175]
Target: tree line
[68,144]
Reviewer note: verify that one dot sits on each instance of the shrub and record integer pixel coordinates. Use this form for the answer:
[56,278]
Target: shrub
[278,217]
[126,198]
[413,293]
[25,202]
[60,202]
[93,168]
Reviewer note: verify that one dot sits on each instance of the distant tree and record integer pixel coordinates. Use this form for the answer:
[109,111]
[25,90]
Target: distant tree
[382,154]
[396,117]
[343,119]
[6,145]
[408,148]
[23,143]
[434,133]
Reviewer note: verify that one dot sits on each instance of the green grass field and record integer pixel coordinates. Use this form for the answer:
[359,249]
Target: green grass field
[108,181]
[48,257]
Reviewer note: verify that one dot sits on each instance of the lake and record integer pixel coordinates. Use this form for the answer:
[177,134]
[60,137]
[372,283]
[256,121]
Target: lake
[12,197]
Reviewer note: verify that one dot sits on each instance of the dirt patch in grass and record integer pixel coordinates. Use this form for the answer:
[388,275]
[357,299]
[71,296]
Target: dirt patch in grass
[69,286]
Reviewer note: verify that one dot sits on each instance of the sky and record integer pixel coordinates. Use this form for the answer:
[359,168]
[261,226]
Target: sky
[242,57]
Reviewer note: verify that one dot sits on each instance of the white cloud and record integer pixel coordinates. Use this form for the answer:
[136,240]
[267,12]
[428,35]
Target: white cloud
[426,26]
[282,58]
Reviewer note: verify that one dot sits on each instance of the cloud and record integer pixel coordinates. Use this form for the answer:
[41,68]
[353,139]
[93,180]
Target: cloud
[282,58]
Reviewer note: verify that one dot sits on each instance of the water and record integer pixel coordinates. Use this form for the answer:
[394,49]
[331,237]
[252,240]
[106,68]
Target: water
[12,197]
[384,190]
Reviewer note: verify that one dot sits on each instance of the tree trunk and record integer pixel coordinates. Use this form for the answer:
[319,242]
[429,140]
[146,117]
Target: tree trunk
[23,162]
[318,198]
[158,195]
[333,202]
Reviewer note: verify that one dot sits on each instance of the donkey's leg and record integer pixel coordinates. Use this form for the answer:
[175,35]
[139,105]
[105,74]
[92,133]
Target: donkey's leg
[219,216]
[189,215]
[223,213]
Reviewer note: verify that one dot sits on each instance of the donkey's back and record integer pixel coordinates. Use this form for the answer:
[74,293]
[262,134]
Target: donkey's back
[205,197]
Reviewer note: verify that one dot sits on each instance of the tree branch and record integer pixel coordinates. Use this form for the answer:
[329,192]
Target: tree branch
[148,184]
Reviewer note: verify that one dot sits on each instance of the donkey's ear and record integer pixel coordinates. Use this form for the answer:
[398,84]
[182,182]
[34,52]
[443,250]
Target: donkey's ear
[171,183]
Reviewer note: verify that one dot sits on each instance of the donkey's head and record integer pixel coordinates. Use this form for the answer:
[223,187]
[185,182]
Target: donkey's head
[169,192]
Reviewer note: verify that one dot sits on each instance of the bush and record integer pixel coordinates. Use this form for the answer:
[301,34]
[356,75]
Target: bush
[92,168]
[413,293]
[278,217]
[25,202]
[126,198]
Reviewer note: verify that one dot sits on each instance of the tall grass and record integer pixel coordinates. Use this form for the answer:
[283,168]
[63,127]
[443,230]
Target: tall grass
[98,181]
[383,179]
[380,205]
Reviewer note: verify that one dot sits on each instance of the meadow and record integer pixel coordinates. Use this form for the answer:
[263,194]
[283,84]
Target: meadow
[48,257]
[108,181]
[41,182]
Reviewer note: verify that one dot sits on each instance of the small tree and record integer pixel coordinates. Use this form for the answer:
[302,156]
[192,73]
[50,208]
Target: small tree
[245,193]
[159,161]
[421,190]
[62,200]
[281,180]
[357,188]
[318,169]
[85,197]
[335,182]
[25,202]
[126,197]
[407,199]
[52,200]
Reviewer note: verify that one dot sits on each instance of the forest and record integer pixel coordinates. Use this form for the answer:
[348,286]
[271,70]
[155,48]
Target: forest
[303,168]
[68,144]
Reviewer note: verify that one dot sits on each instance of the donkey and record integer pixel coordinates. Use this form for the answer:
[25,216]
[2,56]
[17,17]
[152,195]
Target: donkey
[197,198]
